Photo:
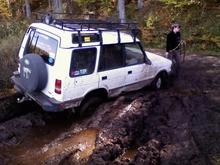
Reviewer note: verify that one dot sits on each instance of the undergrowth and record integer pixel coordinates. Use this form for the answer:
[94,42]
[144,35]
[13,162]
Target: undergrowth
[9,49]
[199,28]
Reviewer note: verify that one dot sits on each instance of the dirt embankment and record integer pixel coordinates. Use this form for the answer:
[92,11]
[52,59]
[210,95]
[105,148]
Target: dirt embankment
[179,125]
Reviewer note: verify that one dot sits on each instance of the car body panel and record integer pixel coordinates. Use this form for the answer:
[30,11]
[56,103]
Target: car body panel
[75,89]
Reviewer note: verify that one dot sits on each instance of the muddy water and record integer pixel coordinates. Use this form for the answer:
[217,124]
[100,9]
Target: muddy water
[34,140]
[40,145]
[130,154]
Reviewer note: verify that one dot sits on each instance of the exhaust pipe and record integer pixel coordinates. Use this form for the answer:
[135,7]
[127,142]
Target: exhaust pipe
[22,99]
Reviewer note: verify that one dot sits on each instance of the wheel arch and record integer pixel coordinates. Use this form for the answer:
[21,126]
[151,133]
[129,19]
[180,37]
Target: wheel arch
[101,92]
[162,73]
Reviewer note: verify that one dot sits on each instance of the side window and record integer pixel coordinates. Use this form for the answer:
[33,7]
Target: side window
[134,54]
[83,62]
[42,45]
[111,57]
[29,40]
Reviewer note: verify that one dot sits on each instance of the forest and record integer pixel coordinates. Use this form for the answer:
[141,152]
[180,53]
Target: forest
[199,18]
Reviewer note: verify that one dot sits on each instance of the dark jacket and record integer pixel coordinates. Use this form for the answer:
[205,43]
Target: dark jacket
[173,40]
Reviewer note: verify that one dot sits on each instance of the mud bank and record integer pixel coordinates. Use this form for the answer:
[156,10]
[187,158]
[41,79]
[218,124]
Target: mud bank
[179,125]
[176,126]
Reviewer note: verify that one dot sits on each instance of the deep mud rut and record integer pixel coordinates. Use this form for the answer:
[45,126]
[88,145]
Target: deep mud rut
[178,125]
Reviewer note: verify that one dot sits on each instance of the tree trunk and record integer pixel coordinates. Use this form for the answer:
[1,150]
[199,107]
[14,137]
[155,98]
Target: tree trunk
[140,4]
[49,5]
[57,6]
[27,9]
[121,10]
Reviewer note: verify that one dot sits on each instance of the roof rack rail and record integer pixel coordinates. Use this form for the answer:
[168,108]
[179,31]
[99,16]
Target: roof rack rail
[99,26]
[93,24]
[83,23]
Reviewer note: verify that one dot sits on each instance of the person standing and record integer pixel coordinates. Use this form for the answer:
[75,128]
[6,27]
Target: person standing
[173,47]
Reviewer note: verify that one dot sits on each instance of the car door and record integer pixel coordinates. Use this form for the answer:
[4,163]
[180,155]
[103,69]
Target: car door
[83,77]
[111,69]
[137,71]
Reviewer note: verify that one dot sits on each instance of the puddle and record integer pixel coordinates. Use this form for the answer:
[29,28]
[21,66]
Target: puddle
[41,144]
[40,149]
[130,153]
[216,160]
[37,144]
[35,138]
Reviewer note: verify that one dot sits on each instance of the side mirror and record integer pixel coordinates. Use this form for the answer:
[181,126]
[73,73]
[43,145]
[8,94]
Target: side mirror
[148,62]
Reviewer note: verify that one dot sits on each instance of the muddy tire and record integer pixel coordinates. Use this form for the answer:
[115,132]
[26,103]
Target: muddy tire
[160,81]
[33,75]
[89,105]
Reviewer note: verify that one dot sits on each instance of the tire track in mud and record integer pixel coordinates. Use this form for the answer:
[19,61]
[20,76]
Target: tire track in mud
[188,97]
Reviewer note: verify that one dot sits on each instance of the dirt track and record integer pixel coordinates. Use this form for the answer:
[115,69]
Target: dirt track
[179,125]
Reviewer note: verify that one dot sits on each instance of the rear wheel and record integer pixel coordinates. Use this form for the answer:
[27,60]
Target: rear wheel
[89,105]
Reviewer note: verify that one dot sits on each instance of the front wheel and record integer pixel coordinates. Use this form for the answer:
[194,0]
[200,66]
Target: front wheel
[160,81]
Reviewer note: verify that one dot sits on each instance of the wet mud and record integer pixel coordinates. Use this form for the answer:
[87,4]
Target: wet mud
[179,125]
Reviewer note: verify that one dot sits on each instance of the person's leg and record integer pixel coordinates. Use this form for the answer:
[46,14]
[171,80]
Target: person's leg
[174,56]
[177,60]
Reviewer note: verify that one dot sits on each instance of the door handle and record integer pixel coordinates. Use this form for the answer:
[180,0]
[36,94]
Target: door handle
[104,78]
[130,72]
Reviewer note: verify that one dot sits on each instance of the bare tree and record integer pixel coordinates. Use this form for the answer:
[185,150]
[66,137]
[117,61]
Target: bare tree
[121,10]
[140,4]
[27,9]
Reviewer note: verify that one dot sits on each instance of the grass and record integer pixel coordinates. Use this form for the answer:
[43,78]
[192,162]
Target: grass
[11,34]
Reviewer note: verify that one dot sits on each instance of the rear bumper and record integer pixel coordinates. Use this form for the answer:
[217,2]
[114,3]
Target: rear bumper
[47,103]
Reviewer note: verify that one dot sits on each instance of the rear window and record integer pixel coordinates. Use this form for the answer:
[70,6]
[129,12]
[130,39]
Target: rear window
[85,38]
[42,45]
[83,62]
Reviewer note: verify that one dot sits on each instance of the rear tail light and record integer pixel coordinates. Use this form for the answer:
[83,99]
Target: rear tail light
[58,85]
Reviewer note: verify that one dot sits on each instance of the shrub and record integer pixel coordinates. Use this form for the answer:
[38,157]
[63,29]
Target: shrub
[12,28]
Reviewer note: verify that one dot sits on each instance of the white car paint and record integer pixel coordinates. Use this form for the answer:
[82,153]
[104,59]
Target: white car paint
[114,81]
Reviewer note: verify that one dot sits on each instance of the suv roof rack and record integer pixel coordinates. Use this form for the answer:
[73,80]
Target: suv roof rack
[83,25]
[98,26]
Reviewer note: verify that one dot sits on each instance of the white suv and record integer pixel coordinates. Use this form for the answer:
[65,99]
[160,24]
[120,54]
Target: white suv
[67,64]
